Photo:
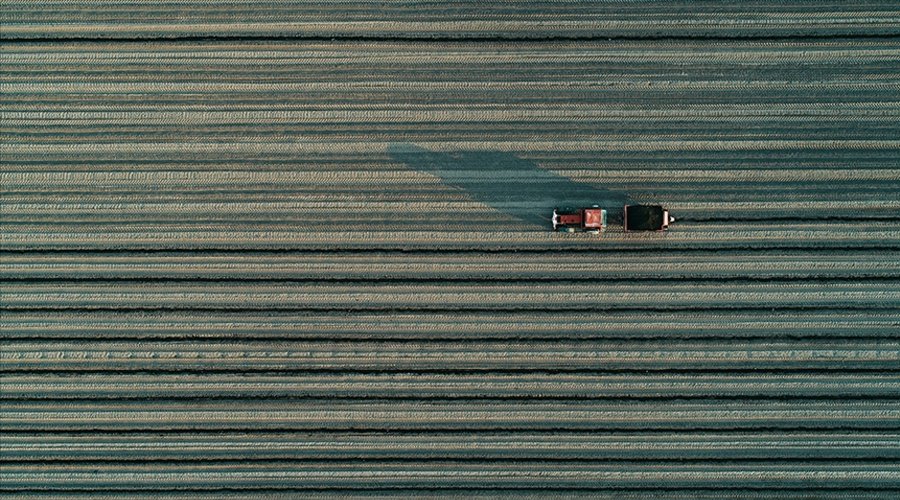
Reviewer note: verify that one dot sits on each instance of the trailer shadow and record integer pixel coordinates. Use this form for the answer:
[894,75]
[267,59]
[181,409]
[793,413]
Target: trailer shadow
[511,185]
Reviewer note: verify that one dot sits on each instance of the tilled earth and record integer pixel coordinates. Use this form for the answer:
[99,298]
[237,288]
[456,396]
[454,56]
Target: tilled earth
[289,249]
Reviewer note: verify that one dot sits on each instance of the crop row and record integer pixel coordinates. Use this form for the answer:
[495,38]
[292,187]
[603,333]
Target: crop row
[362,356]
[431,386]
[438,327]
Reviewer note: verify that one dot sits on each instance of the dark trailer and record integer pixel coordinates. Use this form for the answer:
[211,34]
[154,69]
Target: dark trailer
[647,218]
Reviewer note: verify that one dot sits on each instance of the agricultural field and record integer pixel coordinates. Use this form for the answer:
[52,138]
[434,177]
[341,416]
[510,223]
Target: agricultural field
[292,248]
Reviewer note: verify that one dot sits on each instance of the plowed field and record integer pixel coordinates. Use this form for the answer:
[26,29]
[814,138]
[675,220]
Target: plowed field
[281,249]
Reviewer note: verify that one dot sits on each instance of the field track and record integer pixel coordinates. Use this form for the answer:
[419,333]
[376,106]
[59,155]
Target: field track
[290,248]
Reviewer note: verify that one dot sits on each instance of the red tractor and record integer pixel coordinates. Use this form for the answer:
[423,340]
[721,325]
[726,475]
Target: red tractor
[590,220]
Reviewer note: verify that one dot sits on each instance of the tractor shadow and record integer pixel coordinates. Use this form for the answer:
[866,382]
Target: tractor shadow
[512,186]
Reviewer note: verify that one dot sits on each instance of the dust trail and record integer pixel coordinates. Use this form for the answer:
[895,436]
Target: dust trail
[520,188]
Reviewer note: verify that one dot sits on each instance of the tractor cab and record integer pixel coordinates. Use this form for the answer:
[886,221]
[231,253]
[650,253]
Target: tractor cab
[592,220]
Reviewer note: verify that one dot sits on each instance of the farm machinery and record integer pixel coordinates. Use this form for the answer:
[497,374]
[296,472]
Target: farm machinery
[593,219]
[590,220]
